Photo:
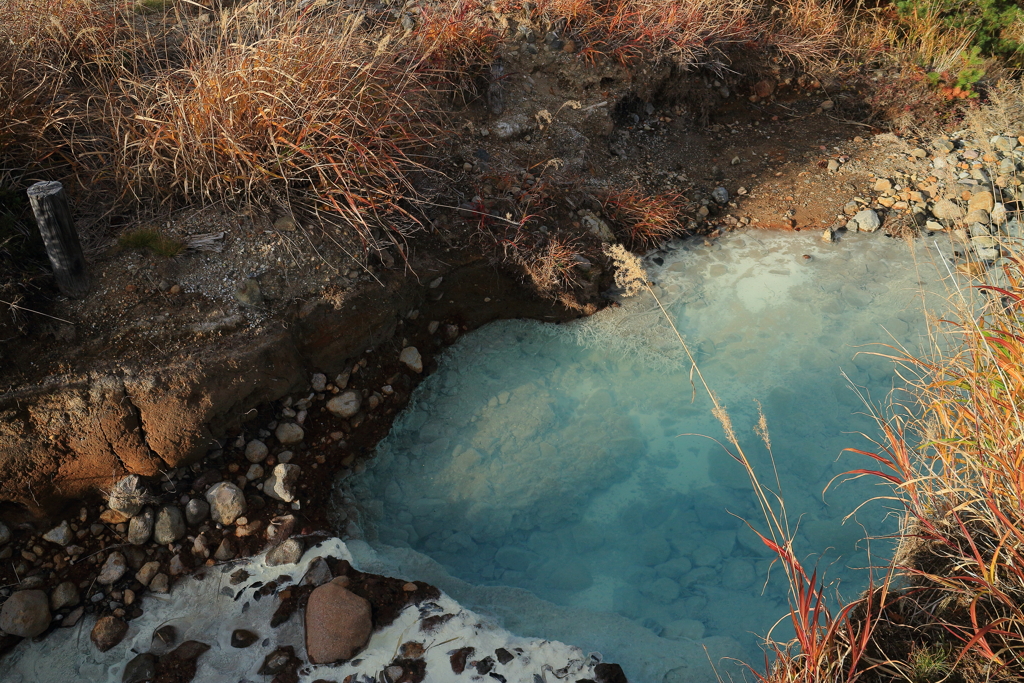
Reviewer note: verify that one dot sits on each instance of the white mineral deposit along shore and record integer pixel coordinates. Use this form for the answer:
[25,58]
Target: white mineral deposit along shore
[210,609]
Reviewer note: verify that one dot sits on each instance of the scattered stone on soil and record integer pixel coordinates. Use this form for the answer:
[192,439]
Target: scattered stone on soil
[64,595]
[289,433]
[147,572]
[281,528]
[113,569]
[128,496]
[61,534]
[345,404]
[410,356]
[227,502]
[256,451]
[281,482]
[196,511]
[169,526]
[140,527]
[318,382]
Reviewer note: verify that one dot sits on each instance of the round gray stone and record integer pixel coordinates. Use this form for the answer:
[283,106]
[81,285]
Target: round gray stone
[289,433]
[345,405]
[25,614]
[140,528]
[256,451]
[169,526]
[196,511]
[227,502]
[64,595]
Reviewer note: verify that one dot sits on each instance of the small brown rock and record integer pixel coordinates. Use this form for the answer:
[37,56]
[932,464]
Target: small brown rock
[241,638]
[113,517]
[108,632]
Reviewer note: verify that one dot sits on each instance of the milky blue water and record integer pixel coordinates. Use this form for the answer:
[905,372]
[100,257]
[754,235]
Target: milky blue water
[559,474]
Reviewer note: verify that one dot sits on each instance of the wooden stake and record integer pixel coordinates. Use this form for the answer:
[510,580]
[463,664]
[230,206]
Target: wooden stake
[53,216]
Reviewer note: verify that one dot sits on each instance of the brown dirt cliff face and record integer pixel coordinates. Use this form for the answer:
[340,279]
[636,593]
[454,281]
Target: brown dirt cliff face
[66,435]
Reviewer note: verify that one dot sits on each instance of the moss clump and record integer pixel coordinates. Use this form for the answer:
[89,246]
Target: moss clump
[149,240]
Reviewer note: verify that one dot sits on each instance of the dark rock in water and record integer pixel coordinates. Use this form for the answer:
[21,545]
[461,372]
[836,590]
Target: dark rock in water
[140,669]
[72,618]
[318,573]
[108,632]
[503,655]
[610,673]
[290,601]
[241,638]
[280,660]
[485,665]
[412,650]
[238,577]
[180,664]
[165,636]
[459,657]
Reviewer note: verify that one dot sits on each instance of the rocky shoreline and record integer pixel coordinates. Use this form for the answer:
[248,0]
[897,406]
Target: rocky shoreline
[315,618]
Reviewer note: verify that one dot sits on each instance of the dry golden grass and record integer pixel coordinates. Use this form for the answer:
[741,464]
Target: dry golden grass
[645,220]
[688,32]
[304,109]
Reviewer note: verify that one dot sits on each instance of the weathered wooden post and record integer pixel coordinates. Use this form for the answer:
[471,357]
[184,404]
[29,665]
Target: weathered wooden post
[53,215]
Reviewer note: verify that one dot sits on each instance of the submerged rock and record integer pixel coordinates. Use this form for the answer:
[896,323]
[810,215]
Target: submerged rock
[241,638]
[141,669]
[338,623]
